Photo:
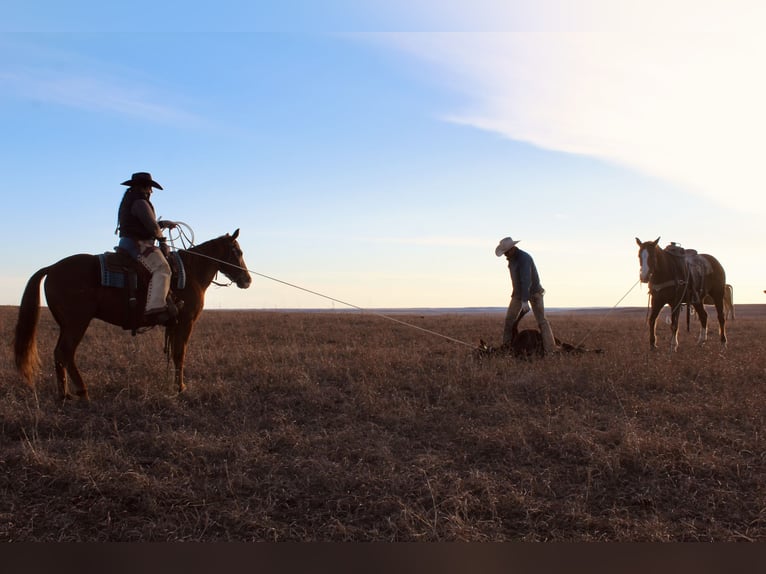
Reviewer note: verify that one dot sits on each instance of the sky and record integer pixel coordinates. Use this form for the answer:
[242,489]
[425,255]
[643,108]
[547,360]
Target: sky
[376,151]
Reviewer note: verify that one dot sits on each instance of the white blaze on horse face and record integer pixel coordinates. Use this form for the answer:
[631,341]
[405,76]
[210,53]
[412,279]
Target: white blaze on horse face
[644,256]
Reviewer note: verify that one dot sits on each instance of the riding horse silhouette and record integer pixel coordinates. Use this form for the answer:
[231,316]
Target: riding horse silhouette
[678,276]
[75,295]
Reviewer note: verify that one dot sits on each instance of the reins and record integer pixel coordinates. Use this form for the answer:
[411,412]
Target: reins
[185,235]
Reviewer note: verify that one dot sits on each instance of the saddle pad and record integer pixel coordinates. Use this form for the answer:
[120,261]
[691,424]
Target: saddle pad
[113,270]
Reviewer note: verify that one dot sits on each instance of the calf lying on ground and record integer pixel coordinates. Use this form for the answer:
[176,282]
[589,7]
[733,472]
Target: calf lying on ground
[527,343]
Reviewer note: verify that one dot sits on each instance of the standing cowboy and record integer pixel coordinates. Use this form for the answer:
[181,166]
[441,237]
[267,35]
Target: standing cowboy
[527,291]
[139,229]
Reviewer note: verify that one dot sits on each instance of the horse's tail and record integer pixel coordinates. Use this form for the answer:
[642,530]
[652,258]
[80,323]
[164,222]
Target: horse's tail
[730,296]
[24,340]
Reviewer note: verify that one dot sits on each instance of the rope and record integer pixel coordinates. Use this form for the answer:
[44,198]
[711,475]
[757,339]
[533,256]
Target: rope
[369,311]
[603,318]
[183,233]
[184,238]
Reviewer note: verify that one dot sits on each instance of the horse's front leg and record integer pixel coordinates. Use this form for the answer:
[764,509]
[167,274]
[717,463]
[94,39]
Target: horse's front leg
[179,378]
[674,329]
[702,314]
[653,327]
[179,353]
[180,341]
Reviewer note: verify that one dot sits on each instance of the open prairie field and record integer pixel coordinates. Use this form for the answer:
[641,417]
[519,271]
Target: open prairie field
[350,427]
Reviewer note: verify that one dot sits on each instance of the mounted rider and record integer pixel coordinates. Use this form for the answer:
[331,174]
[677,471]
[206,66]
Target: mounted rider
[139,229]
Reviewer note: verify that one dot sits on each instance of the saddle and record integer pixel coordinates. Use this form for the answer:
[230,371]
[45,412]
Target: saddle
[120,271]
[696,268]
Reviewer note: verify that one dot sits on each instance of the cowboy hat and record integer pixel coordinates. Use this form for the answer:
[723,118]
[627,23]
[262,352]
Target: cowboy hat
[505,244]
[142,178]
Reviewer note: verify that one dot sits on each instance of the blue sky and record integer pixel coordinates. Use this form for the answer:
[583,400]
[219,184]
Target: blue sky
[377,151]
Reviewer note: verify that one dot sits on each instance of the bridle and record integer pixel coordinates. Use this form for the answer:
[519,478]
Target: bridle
[236,252]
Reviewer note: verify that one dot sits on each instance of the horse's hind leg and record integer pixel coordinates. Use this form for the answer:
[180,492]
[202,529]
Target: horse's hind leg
[719,308]
[63,355]
[61,374]
[702,315]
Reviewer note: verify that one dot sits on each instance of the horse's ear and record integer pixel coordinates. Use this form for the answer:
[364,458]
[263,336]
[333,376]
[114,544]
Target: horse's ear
[638,241]
[235,234]
[656,241]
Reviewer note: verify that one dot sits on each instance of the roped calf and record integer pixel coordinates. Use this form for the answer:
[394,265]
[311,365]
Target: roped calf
[527,344]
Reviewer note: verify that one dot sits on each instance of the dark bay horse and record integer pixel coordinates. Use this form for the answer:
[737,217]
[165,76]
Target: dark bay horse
[678,276]
[75,297]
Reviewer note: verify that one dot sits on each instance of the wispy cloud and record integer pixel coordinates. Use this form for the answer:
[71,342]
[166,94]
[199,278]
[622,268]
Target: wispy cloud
[680,102]
[90,93]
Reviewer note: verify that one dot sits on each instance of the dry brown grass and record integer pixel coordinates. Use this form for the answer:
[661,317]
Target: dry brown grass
[348,427]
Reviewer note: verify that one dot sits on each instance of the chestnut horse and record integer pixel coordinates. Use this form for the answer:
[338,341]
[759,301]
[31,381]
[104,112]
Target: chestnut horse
[75,296]
[675,277]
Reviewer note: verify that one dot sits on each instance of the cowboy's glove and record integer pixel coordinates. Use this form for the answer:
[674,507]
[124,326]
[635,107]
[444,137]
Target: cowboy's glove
[166,224]
[164,248]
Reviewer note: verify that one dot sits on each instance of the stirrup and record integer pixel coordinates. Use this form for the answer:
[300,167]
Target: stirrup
[157,317]
[174,307]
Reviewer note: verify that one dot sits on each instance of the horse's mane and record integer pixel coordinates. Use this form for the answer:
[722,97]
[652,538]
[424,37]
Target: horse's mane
[670,265]
[205,244]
